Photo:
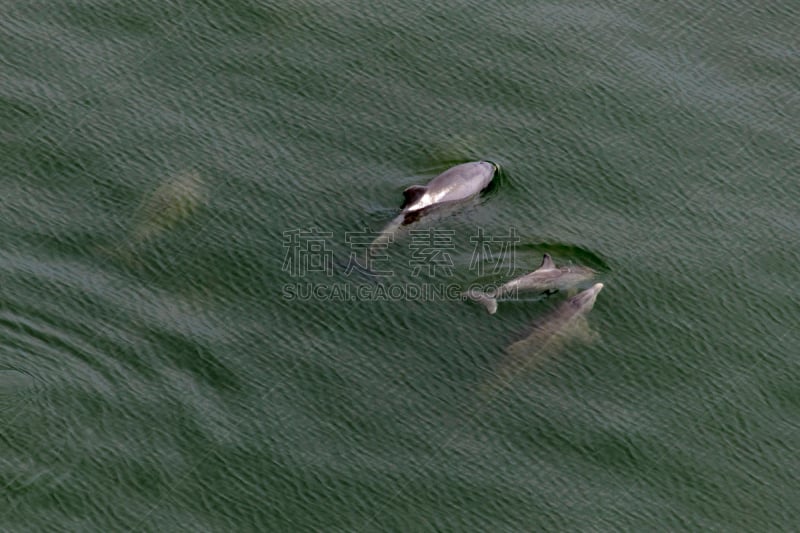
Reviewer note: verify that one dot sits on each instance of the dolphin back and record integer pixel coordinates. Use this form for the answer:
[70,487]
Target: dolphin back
[412,194]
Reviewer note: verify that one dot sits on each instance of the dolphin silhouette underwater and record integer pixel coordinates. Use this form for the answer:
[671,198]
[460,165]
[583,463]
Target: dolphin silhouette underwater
[548,277]
[549,334]
[174,201]
[456,184]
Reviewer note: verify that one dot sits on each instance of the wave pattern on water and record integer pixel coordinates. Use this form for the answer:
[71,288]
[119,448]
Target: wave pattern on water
[154,375]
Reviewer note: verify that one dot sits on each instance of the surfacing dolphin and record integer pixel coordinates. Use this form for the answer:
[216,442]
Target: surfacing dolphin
[549,334]
[547,277]
[456,184]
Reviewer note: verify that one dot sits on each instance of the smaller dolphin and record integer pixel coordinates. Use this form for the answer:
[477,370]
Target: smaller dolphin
[455,184]
[547,277]
[564,323]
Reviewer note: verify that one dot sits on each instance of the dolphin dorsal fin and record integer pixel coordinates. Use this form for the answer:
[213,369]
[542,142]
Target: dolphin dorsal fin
[412,194]
[547,263]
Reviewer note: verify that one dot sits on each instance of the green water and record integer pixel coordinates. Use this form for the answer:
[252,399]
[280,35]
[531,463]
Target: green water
[154,375]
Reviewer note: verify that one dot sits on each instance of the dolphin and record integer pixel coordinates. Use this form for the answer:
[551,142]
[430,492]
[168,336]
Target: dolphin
[547,277]
[566,322]
[454,185]
[173,201]
[457,183]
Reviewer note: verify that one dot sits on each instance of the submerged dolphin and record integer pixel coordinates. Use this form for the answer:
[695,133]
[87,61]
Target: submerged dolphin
[547,277]
[565,322]
[172,202]
[175,200]
[456,184]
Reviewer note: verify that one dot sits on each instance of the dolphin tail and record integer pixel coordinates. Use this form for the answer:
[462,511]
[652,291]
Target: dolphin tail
[386,236]
[381,242]
[489,302]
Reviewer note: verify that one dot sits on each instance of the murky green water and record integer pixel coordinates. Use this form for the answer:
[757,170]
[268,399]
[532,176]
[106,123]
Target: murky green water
[160,369]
